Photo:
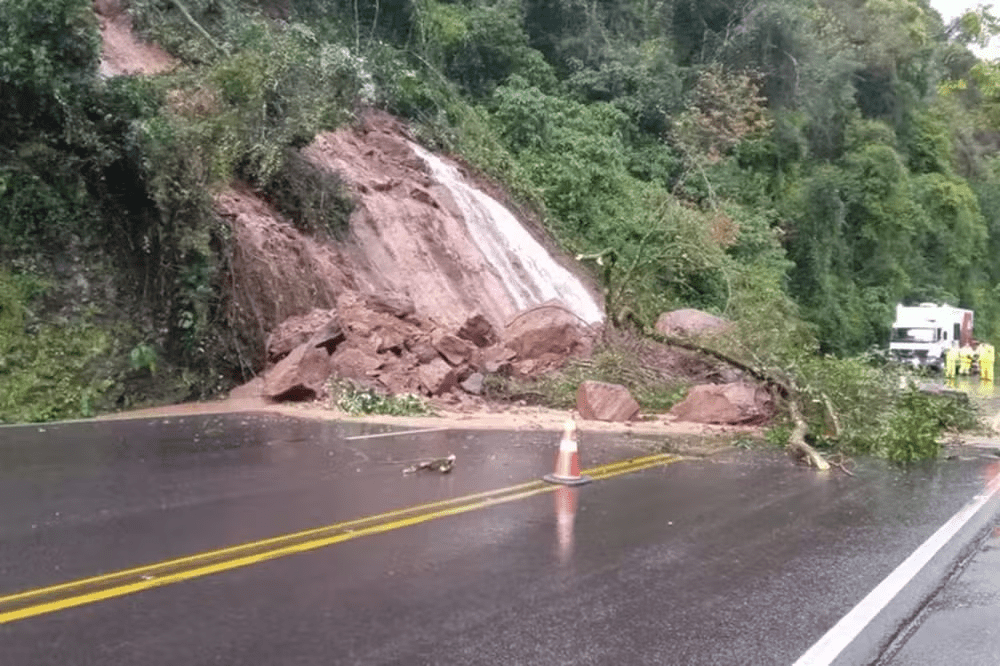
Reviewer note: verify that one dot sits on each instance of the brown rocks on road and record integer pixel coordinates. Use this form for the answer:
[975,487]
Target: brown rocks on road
[600,401]
[736,403]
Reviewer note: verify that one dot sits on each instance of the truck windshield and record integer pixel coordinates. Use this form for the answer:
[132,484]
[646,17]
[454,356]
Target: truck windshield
[914,335]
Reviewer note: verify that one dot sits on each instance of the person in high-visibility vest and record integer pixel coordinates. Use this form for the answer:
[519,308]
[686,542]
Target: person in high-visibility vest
[964,360]
[951,362]
[986,359]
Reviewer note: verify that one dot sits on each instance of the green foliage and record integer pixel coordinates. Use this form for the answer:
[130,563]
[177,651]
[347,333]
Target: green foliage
[43,199]
[143,357]
[876,417]
[315,199]
[480,46]
[359,402]
[48,53]
[193,30]
[853,387]
[778,435]
[928,143]
[641,80]
[912,429]
[573,153]
[47,371]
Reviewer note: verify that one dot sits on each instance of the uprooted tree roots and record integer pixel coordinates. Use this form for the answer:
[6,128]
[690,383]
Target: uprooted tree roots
[781,389]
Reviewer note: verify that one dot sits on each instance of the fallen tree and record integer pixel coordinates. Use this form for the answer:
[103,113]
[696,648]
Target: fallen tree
[782,389]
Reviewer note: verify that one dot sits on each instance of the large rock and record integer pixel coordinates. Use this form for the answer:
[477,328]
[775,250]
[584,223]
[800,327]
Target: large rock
[479,331]
[544,337]
[354,363]
[454,349]
[689,322]
[601,401]
[735,404]
[474,383]
[398,306]
[422,348]
[399,375]
[301,375]
[497,359]
[437,377]
[320,326]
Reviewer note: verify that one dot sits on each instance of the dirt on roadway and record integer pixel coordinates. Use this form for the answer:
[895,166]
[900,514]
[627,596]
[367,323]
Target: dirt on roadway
[683,437]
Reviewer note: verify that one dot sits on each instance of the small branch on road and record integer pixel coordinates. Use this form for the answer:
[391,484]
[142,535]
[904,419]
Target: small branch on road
[841,462]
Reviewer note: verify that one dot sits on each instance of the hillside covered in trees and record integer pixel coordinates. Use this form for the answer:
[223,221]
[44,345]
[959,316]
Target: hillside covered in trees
[797,166]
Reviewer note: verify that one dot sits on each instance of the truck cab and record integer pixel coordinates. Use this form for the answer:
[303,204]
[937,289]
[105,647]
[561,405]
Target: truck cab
[921,334]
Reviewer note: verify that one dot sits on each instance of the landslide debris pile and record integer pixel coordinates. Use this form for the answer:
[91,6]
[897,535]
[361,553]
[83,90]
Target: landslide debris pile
[380,342]
[405,302]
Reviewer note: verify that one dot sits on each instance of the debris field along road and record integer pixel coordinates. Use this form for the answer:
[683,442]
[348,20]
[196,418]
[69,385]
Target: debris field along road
[264,539]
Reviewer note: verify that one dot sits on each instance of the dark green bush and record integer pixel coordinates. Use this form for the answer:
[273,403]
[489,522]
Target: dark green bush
[315,199]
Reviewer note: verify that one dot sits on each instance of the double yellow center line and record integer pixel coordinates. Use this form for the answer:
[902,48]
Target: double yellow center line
[39,601]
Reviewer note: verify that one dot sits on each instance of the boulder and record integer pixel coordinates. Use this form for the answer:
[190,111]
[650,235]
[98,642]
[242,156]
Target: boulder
[354,363]
[474,383]
[545,336]
[479,331]
[437,377]
[301,375]
[735,404]
[689,322]
[497,359]
[422,348]
[601,401]
[400,307]
[298,329]
[454,349]
[329,336]
[398,375]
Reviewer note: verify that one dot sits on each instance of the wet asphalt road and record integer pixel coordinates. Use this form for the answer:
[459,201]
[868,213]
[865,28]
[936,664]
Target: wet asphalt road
[961,624]
[738,559]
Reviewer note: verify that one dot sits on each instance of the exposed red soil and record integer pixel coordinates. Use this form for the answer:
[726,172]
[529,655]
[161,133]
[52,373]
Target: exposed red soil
[123,53]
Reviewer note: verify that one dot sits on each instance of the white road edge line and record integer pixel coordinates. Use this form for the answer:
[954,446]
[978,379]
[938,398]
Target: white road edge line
[395,433]
[851,625]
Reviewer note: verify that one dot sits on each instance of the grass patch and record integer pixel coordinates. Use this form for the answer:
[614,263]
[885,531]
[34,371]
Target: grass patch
[612,363]
[360,402]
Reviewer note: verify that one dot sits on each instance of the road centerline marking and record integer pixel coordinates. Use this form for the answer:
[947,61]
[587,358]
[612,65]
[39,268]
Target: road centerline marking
[395,433]
[39,601]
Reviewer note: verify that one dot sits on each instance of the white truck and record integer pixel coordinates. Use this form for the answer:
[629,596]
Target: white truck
[922,333]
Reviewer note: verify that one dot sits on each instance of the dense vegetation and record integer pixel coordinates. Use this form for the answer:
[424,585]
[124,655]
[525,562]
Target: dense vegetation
[798,166]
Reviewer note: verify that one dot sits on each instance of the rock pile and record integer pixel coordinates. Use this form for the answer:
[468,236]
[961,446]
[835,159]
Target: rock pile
[380,342]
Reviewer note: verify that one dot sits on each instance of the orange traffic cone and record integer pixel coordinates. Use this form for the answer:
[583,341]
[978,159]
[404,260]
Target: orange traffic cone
[567,470]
